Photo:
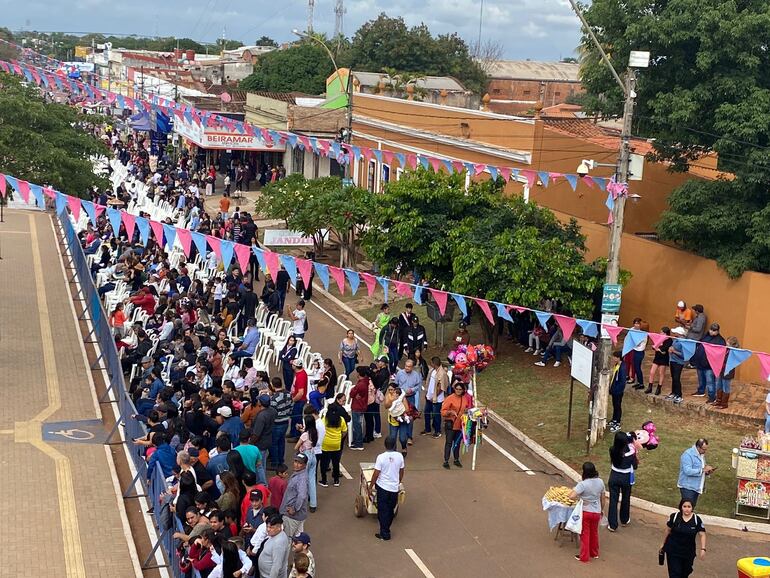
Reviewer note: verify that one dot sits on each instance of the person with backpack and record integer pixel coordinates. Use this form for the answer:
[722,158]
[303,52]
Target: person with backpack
[678,546]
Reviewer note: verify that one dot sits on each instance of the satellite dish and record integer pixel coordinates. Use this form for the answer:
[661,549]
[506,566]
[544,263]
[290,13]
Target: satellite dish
[225,97]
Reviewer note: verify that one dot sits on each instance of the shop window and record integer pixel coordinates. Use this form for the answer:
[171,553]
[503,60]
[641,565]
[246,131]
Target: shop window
[298,161]
[385,173]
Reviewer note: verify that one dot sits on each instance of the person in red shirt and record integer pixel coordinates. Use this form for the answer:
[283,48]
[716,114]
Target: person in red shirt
[359,401]
[145,300]
[298,396]
[277,485]
[249,482]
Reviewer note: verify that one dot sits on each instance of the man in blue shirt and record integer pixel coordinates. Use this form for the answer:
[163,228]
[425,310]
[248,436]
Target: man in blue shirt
[163,457]
[232,426]
[693,471]
[410,382]
[250,341]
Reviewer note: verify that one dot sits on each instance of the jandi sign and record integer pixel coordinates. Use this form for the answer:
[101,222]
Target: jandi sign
[223,138]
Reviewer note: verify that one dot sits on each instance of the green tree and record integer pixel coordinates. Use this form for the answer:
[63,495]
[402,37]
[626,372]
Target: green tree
[303,67]
[45,143]
[266,41]
[7,52]
[707,90]
[388,43]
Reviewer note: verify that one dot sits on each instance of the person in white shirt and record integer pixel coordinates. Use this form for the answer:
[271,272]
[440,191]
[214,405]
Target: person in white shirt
[387,477]
[235,559]
[299,316]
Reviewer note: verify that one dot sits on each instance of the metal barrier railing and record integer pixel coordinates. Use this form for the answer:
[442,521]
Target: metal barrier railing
[101,334]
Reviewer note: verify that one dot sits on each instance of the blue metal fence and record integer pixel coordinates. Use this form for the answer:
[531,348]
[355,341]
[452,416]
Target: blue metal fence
[101,333]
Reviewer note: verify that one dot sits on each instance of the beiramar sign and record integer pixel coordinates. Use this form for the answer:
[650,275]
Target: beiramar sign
[221,138]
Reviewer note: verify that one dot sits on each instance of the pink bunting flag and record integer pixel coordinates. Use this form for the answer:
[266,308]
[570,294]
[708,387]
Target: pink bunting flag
[73,202]
[243,254]
[657,338]
[370,281]
[411,161]
[3,185]
[129,221]
[216,245]
[339,276]
[273,262]
[23,188]
[764,362]
[403,289]
[531,177]
[387,156]
[479,168]
[305,268]
[716,356]
[505,172]
[567,325]
[367,153]
[589,181]
[441,299]
[435,163]
[555,176]
[484,306]
[458,166]
[157,229]
[519,308]
[614,331]
[99,208]
[185,238]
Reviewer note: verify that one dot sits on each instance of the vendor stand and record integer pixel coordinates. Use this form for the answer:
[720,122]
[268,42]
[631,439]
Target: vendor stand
[752,464]
[559,506]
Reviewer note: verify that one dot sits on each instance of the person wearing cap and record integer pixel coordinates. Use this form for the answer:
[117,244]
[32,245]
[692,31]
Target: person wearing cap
[707,379]
[300,544]
[253,518]
[683,315]
[298,396]
[295,500]
[676,364]
[230,424]
[462,337]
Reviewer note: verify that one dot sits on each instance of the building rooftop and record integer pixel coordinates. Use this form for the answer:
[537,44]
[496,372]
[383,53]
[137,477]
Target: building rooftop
[532,70]
[289,97]
[590,131]
[426,82]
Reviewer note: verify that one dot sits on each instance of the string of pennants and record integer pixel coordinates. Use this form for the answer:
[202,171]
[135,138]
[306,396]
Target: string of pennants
[228,252]
[342,152]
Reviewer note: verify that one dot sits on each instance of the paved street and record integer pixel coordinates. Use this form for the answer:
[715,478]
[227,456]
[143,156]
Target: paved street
[484,523]
[61,511]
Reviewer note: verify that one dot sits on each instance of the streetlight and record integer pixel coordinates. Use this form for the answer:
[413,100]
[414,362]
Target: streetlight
[600,393]
[348,92]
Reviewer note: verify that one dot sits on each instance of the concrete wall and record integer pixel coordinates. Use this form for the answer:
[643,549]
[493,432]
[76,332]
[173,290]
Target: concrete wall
[663,275]
[527,93]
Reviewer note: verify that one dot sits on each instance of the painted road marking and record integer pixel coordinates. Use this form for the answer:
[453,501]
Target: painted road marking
[344,472]
[505,452]
[419,563]
[338,322]
[68,514]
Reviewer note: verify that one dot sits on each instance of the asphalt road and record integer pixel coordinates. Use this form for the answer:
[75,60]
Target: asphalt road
[490,522]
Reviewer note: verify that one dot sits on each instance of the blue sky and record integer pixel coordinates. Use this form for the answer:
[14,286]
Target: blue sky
[534,29]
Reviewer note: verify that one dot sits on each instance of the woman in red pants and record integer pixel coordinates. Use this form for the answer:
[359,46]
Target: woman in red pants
[591,491]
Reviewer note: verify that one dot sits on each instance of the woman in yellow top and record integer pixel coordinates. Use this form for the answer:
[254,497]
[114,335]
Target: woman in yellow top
[331,447]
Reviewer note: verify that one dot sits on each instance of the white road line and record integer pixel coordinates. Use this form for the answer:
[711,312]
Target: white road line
[505,452]
[345,473]
[419,563]
[338,322]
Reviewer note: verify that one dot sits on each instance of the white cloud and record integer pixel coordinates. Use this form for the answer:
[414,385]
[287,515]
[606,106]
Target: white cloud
[537,29]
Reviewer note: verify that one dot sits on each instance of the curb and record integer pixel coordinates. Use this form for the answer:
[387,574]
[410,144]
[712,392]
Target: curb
[569,471]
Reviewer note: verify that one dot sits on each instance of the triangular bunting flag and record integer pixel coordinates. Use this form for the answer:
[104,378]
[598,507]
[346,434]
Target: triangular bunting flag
[61,203]
[688,348]
[764,362]
[2,185]
[567,325]
[185,239]
[113,215]
[322,271]
[169,231]
[305,269]
[144,229]
[291,267]
[657,338]
[88,206]
[354,279]
[716,357]
[460,300]
[545,178]
[502,311]
[484,306]
[613,331]
[531,177]
[370,282]
[543,317]
[418,293]
[243,254]
[384,281]
[403,289]
[273,262]
[200,243]
[227,250]
[129,220]
[157,230]
[572,180]
[339,276]
[735,357]
[260,255]
[633,338]
[588,327]
[37,192]
[441,299]
[23,187]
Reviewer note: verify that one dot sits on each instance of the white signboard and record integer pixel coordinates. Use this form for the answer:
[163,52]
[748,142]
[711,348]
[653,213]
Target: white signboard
[608,319]
[582,363]
[286,238]
[221,138]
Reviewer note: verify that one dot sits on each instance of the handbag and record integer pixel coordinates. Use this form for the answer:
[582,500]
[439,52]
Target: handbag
[575,522]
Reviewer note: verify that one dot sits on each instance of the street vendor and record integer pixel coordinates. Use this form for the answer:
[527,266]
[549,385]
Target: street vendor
[591,490]
[462,337]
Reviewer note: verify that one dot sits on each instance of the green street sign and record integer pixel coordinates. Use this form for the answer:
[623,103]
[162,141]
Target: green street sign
[611,298]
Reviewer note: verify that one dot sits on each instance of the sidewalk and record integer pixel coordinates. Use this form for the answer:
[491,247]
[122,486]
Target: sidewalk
[58,482]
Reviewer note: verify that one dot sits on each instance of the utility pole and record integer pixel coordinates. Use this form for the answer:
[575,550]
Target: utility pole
[602,388]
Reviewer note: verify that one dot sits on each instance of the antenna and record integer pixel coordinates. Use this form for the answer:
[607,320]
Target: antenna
[339,12]
[310,7]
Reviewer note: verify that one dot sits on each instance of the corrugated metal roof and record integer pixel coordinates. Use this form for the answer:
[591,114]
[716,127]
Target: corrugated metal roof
[531,70]
[427,82]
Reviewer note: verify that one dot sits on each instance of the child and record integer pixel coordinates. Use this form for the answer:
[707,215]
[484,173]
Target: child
[317,397]
[398,409]
[231,521]
[617,387]
[302,567]
[277,485]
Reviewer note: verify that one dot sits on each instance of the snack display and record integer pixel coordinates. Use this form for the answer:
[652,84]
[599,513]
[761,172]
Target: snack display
[753,493]
[560,494]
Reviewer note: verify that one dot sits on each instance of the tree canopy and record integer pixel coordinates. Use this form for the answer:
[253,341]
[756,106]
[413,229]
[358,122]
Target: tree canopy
[266,41]
[303,67]
[707,90]
[43,142]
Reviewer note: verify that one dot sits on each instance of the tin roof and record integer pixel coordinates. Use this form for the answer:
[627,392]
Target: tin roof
[531,70]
